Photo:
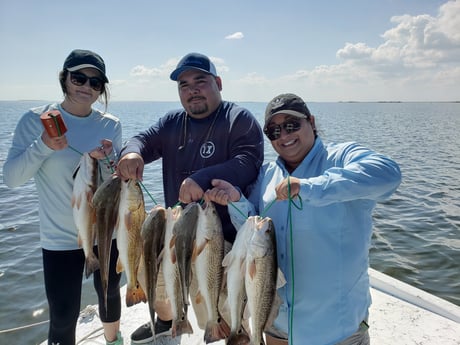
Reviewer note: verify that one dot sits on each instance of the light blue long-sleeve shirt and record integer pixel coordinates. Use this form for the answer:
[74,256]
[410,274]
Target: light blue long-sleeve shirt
[331,236]
[29,157]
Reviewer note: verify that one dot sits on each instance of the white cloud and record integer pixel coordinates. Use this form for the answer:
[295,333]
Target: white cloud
[235,36]
[419,58]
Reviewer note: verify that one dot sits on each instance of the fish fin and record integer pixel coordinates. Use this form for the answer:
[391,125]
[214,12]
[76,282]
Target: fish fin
[128,220]
[280,279]
[172,242]
[173,256]
[89,197]
[119,266]
[228,259]
[91,265]
[199,298]
[199,249]
[216,330]
[181,327]
[252,269]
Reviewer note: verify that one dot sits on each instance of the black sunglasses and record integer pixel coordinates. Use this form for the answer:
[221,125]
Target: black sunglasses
[273,132]
[79,79]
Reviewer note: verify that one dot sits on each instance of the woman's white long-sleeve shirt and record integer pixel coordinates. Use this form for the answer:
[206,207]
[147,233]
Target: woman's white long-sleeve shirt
[29,157]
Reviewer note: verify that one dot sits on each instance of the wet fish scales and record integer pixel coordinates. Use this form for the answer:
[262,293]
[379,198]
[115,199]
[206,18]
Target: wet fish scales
[184,231]
[260,277]
[180,323]
[84,214]
[105,201]
[131,216]
[208,255]
[234,264]
[153,233]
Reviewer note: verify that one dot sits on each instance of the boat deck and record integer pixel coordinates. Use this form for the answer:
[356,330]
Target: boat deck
[392,320]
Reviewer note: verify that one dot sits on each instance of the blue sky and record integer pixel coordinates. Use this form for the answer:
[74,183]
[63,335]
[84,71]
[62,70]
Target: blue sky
[355,50]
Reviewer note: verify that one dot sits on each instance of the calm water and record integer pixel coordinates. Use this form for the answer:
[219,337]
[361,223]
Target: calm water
[416,235]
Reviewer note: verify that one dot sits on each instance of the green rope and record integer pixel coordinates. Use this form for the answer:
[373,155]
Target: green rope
[74,149]
[145,189]
[291,311]
[270,204]
[236,208]
[56,124]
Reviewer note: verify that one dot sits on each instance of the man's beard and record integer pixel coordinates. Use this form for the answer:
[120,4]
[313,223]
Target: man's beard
[198,109]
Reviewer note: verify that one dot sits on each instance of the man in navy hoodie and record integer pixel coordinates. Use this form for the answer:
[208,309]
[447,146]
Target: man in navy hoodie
[209,138]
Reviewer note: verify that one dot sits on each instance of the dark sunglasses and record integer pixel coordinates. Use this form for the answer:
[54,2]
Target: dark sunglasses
[273,132]
[79,79]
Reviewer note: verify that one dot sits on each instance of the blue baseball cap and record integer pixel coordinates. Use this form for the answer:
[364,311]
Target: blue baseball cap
[194,61]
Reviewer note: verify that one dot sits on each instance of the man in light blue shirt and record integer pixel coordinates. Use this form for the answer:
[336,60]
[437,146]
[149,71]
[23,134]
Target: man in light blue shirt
[323,239]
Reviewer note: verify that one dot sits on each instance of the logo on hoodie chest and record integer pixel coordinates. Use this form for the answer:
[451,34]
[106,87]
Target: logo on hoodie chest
[207,149]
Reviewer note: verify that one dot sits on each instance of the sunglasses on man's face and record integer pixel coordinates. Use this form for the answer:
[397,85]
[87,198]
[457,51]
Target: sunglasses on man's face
[79,79]
[273,132]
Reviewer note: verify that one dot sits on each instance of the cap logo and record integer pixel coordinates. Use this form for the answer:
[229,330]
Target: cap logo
[277,103]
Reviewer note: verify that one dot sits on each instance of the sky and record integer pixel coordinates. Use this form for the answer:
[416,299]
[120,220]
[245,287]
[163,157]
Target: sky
[324,51]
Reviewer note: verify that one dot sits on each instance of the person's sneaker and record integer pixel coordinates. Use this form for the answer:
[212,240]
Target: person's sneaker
[162,328]
[118,341]
[144,335]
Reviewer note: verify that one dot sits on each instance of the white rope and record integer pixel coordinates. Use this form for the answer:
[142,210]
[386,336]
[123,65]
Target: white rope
[86,315]
[23,327]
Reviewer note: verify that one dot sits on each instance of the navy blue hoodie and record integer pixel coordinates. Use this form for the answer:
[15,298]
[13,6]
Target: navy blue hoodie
[228,144]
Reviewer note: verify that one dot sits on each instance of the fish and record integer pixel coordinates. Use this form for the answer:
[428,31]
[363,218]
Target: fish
[84,213]
[234,264]
[106,201]
[184,232]
[207,257]
[173,287]
[131,216]
[152,234]
[261,277]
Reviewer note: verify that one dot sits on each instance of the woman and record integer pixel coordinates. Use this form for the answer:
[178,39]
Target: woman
[51,161]
[329,192]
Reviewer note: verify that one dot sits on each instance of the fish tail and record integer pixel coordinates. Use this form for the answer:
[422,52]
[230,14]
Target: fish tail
[135,295]
[216,331]
[181,327]
[91,265]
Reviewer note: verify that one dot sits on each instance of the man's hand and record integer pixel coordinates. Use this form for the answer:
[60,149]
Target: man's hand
[131,166]
[222,193]
[190,191]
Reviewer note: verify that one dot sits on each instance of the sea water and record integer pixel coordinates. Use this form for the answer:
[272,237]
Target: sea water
[416,232]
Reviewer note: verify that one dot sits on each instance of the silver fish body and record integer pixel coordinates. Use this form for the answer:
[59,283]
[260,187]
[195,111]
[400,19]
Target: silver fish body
[208,255]
[131,216]
[84,213]
[261,276]
[234,264]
